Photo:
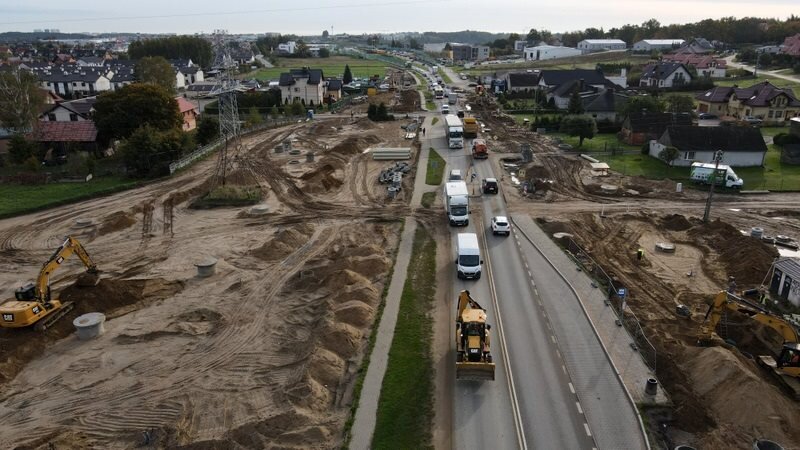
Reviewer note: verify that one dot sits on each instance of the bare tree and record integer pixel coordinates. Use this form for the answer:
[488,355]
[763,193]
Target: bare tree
[21,100]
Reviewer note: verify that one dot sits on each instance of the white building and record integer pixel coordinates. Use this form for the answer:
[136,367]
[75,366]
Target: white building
[305,85]
[597,45]
[519,46]
[786,280]
[665,75]
[542,52]
[79,84]
[288,47]
[648,45]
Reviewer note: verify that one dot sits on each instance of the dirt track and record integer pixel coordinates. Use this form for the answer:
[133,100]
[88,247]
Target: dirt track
[263,353]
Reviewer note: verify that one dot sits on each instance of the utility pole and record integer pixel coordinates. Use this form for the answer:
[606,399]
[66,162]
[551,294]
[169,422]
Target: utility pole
[717,158]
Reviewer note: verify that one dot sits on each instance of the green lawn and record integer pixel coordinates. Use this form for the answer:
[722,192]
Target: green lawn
[445,78]
[17,199]
[599,143]
[519,117]
[427,199]
[772,131]
[405,407]
[435,119]
[331,67]
[435,170]
[780,82]
[576,62]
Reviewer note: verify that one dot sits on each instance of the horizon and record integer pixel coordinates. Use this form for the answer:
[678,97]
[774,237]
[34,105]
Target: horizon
[388,18]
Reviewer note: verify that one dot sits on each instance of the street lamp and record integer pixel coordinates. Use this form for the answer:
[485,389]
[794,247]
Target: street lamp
[717,158]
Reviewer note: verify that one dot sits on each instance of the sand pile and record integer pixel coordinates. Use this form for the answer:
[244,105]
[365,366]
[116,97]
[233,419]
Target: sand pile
[117,221]
[676,222]
[738,397]
[284,242]
[353,145]
[324,179]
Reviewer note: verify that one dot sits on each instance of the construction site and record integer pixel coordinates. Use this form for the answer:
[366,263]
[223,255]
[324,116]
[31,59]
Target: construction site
[264,352]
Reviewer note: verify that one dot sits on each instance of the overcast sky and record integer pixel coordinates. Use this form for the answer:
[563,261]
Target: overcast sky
[360,16]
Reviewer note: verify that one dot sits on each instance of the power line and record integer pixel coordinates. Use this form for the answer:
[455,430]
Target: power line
[229,13]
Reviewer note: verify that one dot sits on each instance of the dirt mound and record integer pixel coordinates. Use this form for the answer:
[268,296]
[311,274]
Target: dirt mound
[326,367]
[341,339]
[353,145]
[355,313]
[676,222]
[732,390]
[744,257]
[111,297]
[284,242]
[117,221]
[324,179]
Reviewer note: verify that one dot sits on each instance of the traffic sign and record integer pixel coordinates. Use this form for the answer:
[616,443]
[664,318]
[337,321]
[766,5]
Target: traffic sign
[622,292]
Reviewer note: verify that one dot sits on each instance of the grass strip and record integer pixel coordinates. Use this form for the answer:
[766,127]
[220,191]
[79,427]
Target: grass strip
[435,170]
[428,199]
[21,199]
[405,407]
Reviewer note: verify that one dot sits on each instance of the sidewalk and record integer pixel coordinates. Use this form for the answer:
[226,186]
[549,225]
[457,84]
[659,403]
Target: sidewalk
[627,362]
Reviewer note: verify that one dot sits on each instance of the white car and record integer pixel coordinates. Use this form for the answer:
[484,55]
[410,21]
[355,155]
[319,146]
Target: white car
[500,225]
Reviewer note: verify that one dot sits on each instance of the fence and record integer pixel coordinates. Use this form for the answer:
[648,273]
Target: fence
[205,150]
[610,287]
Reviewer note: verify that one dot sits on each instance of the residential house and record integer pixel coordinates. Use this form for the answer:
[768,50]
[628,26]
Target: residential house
[542,52]
[90,61]
[785,281]
[189,114]
[306,85]
[191,75]
[522,82]
[468,52]
[603,104]
[741,146]
[665,75]
[123,77]
[791,45]
[549,79]
[649,45]
[58,138]
[560,95]
[77,84]
[763,100]
[706,66]
[697,46]
[200,89]
[644,126]
[287,48]
[334,91]
[598,45]
[69,111]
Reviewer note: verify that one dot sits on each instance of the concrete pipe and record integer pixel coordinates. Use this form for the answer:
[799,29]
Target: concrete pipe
[206,267]
[757,232]
[83,222]
[89,326]
[766,444]
[310,157]
[651,388]
[684,447]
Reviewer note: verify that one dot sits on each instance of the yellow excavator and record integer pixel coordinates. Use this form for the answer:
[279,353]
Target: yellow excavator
[34,303]
[473,356]
[787,366]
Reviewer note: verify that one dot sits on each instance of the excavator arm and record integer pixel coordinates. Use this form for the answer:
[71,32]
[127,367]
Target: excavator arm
[64,251]
[725,300]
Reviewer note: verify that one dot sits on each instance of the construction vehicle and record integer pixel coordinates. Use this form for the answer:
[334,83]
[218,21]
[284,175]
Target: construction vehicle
[34,303]
[479,149]
[471,127]
[786,367]
[473,357]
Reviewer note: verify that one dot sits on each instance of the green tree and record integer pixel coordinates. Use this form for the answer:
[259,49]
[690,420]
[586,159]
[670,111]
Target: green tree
[119,113]
[20,149]
[195,48]
[254,117]
[348,75]
[274,112]
[297,108]
[372,111]
[21,100]
[325,34]
[575,105]
[676,103]
[156,70]
[149,151]
[584,127]
[669,155]
[301,50]
[639,103]
[207,129]
[414,44]
[324,53]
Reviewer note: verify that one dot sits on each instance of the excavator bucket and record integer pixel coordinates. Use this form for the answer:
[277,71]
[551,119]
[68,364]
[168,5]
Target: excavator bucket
[477,371]
[88,279]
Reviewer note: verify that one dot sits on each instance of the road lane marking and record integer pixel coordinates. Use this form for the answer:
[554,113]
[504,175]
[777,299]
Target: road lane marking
[529,275]
[564,369]
[586,427]
[571,387]
[580,410]
[553,338]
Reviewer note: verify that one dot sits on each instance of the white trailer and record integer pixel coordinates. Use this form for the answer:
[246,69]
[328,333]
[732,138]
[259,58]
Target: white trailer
[456,203]
[454,131]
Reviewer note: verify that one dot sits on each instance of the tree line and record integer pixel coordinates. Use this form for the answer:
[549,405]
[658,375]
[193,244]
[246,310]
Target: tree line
[174,47]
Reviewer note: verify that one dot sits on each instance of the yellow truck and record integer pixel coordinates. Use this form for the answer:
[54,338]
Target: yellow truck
[471,127]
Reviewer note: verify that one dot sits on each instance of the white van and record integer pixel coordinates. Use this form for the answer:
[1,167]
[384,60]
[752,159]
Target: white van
[468,258]
[455,175]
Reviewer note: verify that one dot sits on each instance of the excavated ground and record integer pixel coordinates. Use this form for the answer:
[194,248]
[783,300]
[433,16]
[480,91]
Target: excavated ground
[722,398]
[263,354]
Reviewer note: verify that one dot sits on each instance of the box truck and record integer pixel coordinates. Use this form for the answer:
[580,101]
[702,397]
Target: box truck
[468,257]
[701,173]
[455,131]
[456,202]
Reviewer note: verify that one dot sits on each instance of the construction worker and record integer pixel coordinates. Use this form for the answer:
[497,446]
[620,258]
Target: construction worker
[731,285]
[639,254]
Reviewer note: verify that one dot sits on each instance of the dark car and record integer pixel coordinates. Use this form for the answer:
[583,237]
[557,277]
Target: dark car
[489,186]
[707,116]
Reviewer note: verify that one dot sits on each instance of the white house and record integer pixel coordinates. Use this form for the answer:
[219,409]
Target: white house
[542,52]
[786,280]
[741,146]
[665,75]
[597,45]
[288,47]
[305,85]
[648,45]
[79,84]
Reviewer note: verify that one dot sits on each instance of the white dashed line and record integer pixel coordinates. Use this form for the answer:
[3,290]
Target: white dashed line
[586,427]
[553,338]
[564,369]
[526,265]
[571,387]
[529,274]
[580,410]
[558,353]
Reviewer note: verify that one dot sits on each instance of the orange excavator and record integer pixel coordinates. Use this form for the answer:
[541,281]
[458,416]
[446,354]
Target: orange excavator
[34,303]
[473,356]
[787,365]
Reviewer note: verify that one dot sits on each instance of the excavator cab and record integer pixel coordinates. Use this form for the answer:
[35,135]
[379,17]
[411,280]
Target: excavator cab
[26,293]
[790,357]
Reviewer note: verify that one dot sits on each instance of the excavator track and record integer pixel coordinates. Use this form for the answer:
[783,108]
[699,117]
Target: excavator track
[53,317]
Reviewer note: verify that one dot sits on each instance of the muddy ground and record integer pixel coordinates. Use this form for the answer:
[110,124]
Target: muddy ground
[263,354]
[721,398]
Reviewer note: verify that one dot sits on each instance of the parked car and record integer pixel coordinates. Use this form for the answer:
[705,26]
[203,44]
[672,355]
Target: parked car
[754,121]
[500,225]
[707,116]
